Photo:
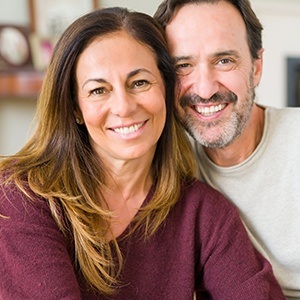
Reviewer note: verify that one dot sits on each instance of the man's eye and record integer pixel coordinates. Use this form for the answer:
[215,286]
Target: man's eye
[185,65]
[183,69]
[224,61]
[182,66]
[225,64]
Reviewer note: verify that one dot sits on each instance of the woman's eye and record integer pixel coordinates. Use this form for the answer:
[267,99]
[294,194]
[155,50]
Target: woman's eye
[98,91]
[140,84]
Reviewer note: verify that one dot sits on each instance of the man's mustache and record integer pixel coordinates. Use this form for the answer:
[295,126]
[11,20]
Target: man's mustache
[228,97]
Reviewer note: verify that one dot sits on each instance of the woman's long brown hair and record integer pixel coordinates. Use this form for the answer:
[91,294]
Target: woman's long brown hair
[59,165]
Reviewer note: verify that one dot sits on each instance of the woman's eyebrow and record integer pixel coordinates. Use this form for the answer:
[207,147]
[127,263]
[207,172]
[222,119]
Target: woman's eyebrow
[130,74]
[99,80]
[137,71]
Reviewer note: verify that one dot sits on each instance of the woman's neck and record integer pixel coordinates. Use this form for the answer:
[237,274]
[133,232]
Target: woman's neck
[127,187]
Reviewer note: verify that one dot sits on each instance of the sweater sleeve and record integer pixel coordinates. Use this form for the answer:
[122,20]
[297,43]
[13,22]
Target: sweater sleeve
[230,266]
[34,258]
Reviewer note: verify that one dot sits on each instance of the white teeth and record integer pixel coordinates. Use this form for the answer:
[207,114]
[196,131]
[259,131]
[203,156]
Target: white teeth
[207,111]
[130,129]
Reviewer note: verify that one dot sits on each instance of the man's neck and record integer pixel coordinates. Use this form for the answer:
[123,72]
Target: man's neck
[244,145]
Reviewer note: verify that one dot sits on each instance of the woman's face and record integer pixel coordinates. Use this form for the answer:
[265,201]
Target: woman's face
[121,96]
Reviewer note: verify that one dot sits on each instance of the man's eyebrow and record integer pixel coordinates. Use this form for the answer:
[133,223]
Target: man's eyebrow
[226,53]
[176,59]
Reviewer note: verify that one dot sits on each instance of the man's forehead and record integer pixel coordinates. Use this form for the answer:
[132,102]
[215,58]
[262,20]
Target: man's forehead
[202,17]
[209,27]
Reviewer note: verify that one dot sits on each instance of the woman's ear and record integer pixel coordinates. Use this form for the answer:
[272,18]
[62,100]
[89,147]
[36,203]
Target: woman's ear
[78,118]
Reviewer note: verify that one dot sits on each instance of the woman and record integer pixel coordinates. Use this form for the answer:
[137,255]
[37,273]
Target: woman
[101,202]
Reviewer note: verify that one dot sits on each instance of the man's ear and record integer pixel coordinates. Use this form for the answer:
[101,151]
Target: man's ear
[258,67]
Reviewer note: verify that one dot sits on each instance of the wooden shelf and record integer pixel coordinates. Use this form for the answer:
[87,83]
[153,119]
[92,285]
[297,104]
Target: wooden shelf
[20,84]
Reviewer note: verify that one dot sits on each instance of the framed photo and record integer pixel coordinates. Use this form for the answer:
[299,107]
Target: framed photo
[49,18]
[293,81]
[15,50]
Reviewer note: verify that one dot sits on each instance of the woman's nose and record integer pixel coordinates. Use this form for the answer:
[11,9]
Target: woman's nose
[123,103]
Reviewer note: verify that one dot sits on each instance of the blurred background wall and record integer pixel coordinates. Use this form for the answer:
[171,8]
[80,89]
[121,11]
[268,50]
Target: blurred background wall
[280,18]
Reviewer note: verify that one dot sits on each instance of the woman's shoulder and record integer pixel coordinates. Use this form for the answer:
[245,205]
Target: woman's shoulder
[200,193]
[198,201]
[203,211]
[21,205]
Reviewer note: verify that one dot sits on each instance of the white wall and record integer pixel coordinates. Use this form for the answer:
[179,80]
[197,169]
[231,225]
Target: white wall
[16,116]
[146,6]
[14,11]
[281,21]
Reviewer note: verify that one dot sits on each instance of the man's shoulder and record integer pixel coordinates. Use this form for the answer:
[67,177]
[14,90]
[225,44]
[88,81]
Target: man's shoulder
[285,118]
[282,111]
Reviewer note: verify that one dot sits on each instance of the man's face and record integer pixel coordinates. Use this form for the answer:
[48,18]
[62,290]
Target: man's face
[217,75]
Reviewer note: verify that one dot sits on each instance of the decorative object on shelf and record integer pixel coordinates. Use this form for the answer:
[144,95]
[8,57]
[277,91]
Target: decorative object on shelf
[15,50]
[41,49]
[23,60]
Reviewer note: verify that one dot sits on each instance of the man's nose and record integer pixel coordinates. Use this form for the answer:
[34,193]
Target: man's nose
[204,82]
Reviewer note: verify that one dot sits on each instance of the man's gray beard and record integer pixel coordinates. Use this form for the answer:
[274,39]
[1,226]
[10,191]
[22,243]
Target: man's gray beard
[224,139]
[233,128]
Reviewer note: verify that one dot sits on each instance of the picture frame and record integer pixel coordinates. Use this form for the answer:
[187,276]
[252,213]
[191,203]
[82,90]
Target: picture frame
[15,49]
[49,18]
[293,81]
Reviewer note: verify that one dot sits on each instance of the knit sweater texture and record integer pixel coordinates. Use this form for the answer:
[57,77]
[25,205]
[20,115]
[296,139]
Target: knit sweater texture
[202,246]
[266,189]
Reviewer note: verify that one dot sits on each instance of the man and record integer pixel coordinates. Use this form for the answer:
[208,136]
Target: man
[248,152]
